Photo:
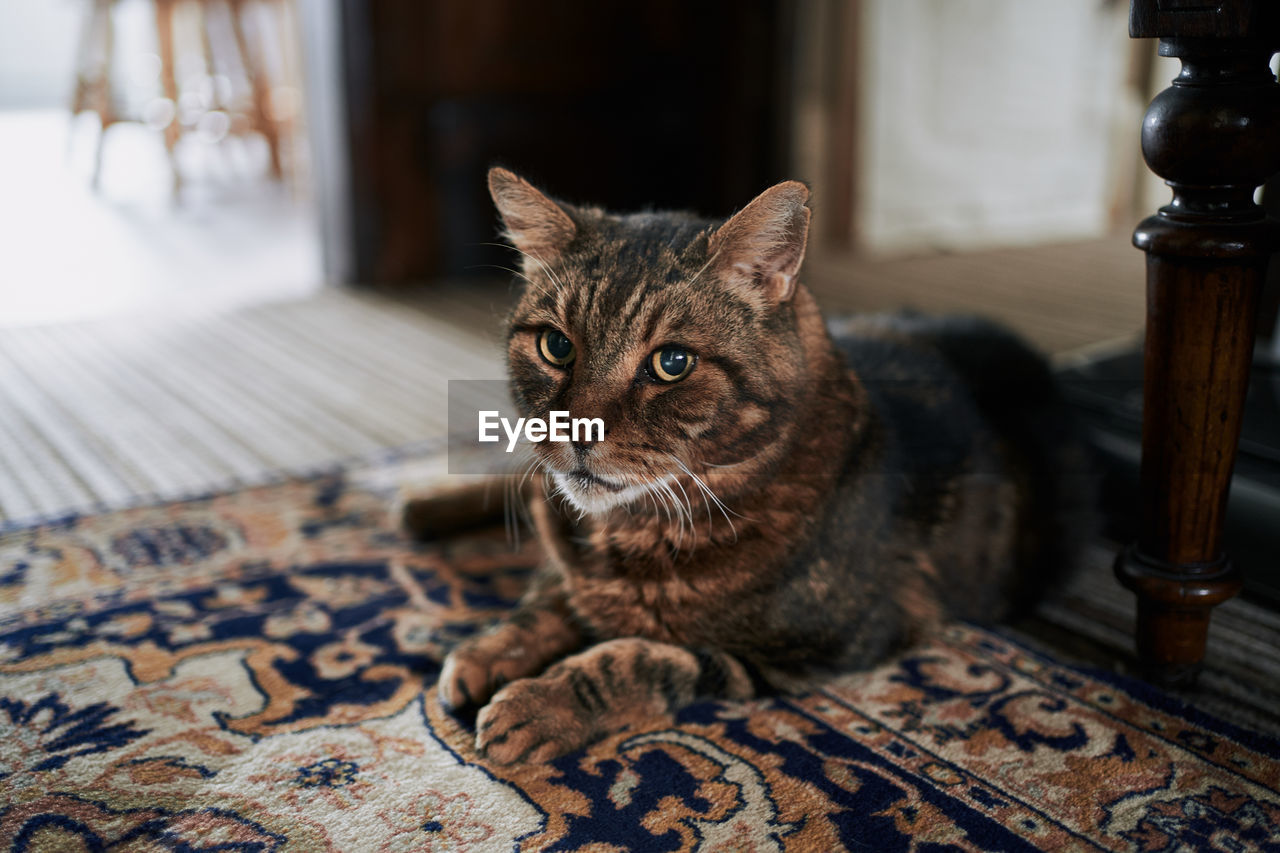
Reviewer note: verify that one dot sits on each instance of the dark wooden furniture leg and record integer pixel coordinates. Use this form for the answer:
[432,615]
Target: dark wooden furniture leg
[1214,135]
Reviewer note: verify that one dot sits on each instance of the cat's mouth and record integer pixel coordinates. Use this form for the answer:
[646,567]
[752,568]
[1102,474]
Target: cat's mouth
[583,477]
[591,493]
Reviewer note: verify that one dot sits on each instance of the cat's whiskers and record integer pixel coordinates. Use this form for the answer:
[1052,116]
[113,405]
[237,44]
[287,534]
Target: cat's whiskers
[508,523]
[703,484]
[535,464]
[545,268]
[703,269]
[708,493]
[513,508]
[488,487]
[555,279]
[668,504]
[688,506]
[549,486]
[513,539]
[678,513]
[707,506]
[659,502]
[557,486]
[652,501]
[530,282]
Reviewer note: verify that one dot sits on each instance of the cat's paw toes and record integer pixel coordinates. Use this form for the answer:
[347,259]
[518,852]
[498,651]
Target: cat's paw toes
[528,722]
[466,681]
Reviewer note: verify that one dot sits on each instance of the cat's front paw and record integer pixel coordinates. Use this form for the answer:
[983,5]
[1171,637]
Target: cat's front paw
[469,677]
[532,720]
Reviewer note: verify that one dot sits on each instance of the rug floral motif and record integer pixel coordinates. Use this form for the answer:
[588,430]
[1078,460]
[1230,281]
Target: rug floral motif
[254,672]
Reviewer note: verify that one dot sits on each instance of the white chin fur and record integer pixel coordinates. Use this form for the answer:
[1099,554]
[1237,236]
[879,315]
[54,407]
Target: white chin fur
[595,500]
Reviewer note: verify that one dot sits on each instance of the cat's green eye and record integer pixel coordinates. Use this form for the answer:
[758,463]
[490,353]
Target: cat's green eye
[670,364]
[555,348]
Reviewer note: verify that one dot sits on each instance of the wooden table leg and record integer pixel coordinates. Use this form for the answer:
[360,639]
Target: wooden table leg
[1214,135]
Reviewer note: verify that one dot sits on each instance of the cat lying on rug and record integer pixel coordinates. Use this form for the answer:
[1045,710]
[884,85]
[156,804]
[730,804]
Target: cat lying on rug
[862,481]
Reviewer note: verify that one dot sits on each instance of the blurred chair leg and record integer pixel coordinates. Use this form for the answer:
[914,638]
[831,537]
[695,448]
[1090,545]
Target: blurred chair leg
[164,40]
[101,95]
[84,69]
[259,115]
[87,72]
[92,89]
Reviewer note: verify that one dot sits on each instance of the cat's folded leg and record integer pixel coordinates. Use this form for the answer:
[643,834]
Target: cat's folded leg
[600,690]
[522,644]
[481,502]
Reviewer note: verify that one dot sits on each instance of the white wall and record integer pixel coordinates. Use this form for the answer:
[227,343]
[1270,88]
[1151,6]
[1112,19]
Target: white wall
[38,40]
[988,122]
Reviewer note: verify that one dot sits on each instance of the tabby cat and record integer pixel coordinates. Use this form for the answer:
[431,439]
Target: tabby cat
[774,501]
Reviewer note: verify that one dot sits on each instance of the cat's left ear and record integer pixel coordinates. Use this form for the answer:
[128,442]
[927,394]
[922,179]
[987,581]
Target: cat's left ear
[535,224]
[762,246]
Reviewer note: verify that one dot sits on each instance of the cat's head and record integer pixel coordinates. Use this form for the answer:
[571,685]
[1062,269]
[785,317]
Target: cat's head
[681,334]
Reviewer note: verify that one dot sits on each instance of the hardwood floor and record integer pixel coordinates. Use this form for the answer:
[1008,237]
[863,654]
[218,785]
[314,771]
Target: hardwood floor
[1061,297]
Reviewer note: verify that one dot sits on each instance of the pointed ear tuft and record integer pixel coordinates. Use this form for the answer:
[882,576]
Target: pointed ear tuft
[761,247]
[534,223]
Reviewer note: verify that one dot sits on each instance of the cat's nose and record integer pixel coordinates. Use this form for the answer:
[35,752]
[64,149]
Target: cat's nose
[581,448]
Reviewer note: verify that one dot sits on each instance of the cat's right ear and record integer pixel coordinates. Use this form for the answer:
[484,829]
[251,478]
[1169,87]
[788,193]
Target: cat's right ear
[760,248]
[535,224]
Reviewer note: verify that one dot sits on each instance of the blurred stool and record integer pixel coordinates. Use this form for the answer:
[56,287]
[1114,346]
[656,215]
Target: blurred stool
[225,51]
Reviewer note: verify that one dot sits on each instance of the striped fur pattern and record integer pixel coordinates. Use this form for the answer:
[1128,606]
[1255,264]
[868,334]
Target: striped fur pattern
[802,503]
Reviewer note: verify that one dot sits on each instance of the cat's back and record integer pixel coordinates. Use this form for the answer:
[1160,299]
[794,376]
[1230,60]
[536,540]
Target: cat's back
[945,381]
[969,410]
[930,424]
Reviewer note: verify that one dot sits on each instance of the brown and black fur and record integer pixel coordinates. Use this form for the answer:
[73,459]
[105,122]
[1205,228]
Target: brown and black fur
[831,494]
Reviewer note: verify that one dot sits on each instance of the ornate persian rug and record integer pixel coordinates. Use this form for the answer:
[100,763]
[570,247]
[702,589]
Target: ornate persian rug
[253,672]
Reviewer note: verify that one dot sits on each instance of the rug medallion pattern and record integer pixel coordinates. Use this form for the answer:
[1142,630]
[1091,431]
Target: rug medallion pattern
[253,672]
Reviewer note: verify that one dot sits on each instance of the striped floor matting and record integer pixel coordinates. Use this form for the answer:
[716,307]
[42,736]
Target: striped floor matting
[118,412]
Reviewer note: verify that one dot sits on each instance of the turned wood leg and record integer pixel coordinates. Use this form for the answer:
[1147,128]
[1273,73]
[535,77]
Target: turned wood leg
[1214,135]
[1199,345]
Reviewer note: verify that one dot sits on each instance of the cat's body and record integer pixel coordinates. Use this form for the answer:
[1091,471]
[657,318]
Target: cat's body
[772,503]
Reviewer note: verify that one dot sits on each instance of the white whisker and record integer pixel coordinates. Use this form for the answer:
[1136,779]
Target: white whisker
[545,268]
[555,280]
[530,282]
[508,520]
[708,493]
[693,529]
[679,510]
[703,269]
